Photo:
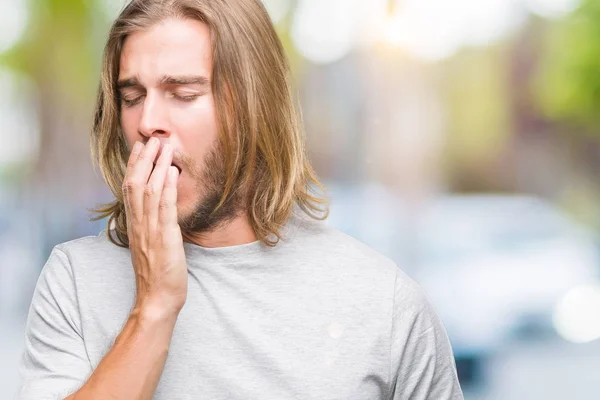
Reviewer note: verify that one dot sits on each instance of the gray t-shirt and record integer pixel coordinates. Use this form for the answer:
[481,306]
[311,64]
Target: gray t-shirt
[319,316]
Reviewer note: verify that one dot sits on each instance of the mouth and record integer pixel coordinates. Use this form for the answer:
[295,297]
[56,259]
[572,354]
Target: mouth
[172,164]
[177,166]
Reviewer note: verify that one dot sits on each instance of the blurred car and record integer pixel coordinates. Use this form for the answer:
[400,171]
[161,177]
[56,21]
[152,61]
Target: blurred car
[494,266]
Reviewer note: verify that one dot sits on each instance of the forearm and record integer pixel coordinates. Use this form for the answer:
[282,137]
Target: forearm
[132,368]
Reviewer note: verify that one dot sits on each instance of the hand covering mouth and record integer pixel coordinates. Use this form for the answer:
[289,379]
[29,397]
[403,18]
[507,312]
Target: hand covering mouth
[174,163]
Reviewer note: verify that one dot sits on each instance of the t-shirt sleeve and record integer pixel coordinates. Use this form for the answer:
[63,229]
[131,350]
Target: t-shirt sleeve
[54,363]
[422,360]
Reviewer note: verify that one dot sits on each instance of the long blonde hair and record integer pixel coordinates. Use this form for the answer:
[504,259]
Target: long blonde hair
[260,129]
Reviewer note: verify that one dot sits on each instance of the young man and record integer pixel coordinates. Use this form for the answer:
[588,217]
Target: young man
[215,278]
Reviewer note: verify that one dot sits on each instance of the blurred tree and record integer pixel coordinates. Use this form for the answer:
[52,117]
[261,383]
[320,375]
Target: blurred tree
[568,86]
[61,52]
[476,87]
[567,91]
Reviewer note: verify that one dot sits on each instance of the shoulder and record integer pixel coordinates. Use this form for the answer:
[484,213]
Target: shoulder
[339,250]
[90,246]
[89,258]
[74,269]
[340,259]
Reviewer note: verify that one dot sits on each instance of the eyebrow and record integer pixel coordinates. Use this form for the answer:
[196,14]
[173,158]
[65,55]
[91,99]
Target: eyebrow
[166,80]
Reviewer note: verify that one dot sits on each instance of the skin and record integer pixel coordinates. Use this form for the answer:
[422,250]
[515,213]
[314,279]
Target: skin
[166,122]
[166,94]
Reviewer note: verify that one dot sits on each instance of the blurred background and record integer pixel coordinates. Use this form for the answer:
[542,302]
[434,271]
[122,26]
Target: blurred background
[460,138]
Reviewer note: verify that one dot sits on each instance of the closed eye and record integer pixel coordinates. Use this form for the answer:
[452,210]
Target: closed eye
[190,97]
[131,102]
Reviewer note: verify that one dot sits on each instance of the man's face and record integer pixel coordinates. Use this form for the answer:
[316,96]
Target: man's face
[164,83]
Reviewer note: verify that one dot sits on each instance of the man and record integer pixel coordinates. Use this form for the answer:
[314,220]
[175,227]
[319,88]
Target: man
[215,278]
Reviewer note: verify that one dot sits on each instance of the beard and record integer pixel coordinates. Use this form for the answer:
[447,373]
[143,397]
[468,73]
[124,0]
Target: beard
[205,216]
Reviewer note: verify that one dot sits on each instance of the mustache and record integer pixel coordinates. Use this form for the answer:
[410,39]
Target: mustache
[179,160]
[182,161]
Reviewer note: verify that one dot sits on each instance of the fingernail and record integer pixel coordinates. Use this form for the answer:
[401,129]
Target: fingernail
[155,141]
[137,147]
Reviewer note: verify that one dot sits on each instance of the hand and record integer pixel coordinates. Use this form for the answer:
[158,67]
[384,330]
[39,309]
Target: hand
[155,238]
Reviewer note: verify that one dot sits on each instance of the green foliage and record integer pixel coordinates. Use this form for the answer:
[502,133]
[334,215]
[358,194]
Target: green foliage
[476,93]
[57,49]
[568,86]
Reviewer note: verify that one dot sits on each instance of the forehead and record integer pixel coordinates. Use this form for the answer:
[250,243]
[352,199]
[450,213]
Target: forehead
[171,47]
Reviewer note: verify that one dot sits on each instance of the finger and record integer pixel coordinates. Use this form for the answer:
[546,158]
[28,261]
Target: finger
[154,187]
[167,210]
[133,156]
[138,177]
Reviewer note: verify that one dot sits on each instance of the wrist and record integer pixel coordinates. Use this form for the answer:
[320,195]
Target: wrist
[149,312]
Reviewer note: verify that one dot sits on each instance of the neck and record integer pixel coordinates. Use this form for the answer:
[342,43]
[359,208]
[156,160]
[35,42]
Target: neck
[232,233]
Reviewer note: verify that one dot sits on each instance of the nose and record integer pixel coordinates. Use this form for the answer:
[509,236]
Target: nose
[154,120]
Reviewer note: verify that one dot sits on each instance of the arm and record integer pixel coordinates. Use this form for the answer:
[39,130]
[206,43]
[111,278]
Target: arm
[133,366]
[56,363]
[422,360]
